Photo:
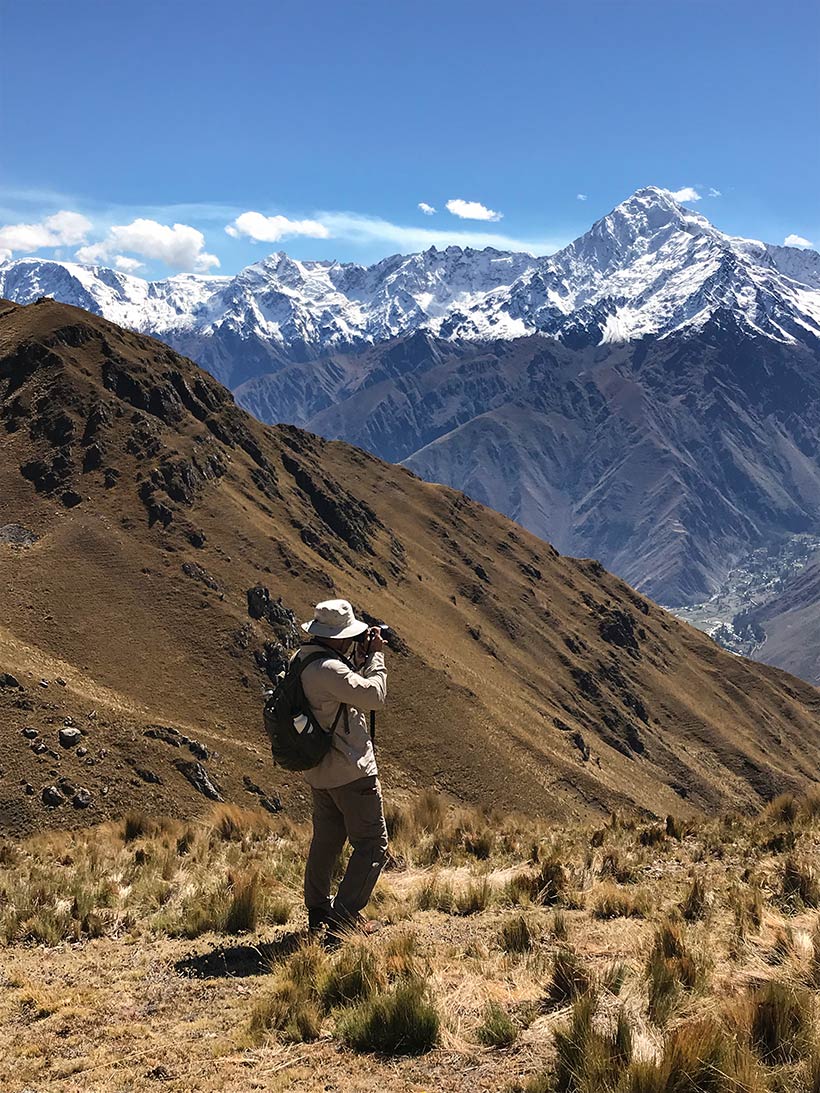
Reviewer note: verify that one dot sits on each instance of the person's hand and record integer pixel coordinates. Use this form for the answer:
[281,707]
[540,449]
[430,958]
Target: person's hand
[377,642]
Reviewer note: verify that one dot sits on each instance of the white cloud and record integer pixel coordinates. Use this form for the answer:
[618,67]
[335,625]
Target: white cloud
[688,193]
[428,210]
[181,247]
[127,265]
[62,229]
[797,241]
[367,231]
[714,193]
[471,210]
[270,229]
[581,197]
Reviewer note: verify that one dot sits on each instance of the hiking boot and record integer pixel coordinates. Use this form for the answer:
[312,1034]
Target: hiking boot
[344,926]
[318,921]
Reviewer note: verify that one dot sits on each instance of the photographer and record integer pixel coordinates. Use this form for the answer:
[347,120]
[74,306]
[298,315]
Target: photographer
[341,689]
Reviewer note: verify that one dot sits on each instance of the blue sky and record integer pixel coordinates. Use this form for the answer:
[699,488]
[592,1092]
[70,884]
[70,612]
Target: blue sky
[330,122]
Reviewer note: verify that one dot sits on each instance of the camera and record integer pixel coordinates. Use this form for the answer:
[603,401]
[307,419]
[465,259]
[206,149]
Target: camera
[363,639]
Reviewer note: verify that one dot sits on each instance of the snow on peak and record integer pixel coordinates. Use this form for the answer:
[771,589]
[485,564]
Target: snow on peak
[649,267]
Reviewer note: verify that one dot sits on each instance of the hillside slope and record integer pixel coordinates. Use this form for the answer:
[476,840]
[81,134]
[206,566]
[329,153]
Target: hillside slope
[139,505]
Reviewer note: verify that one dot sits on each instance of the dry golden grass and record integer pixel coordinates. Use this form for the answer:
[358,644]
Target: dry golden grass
[575,959]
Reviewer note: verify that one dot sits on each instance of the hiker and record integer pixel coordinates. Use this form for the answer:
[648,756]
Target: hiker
[341,689]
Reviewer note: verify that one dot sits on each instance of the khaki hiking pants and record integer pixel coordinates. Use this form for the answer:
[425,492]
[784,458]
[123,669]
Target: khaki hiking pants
[353,812]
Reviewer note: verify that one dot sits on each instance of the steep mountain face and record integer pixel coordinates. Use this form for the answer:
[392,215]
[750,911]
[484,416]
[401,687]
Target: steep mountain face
[666,458]
[646,396]
[787,626]
[158,545]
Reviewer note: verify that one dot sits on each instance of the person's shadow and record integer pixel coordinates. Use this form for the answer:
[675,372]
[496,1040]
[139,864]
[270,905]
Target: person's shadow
[240,961]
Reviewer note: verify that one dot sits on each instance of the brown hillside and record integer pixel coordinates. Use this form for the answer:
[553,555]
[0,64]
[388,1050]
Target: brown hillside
[138,505]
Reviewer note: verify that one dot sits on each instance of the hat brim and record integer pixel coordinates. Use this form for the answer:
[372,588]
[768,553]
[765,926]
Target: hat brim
[320,631]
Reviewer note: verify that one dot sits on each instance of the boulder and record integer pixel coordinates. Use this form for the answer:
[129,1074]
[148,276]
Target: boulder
[52,797]
[199,778]
[69,736]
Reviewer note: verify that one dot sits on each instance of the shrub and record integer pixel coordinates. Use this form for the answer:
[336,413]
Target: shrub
[497,1028]
[612,902]
[516,935]
[570,978]
[401,1021]
[782,1022]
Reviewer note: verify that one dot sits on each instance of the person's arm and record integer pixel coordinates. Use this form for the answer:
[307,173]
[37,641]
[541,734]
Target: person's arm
[366,690]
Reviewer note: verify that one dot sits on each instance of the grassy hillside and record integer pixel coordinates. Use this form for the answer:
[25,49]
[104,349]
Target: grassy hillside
[516,955]
[138,508]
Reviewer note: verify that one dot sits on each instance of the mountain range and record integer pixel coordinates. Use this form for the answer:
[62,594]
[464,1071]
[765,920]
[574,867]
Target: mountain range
[648,395]
[158,547]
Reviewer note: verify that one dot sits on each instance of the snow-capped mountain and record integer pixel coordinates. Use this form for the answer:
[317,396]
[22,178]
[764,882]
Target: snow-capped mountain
[649,395]
[651,267]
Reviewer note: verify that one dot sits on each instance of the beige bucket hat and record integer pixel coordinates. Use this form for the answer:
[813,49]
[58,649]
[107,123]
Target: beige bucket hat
[334,619]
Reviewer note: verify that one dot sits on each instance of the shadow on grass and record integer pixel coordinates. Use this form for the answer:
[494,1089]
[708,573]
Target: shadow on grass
[240,961]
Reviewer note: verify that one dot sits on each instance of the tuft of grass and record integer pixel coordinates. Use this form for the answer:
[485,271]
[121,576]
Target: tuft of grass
[516,935]
[552,883]
[784,809]
[136,825]
[587,1058]
[436,895]
[289,1010]
[671,968]
[400,1021]
[618,866]
[800,887]
[355,974]
[403,957]
[614,977]
[653,835]
[613,902]
[560,927]
[479,844]
[676,828]
[782,1024]
[698,1057]
[243,911]
[497,1028]
[475,898]
[698,901]
[292,1008]
[570,978]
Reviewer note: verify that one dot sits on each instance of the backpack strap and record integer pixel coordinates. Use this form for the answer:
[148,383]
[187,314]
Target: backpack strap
[302,663]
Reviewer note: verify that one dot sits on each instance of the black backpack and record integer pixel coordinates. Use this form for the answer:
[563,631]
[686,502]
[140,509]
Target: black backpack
[292,748]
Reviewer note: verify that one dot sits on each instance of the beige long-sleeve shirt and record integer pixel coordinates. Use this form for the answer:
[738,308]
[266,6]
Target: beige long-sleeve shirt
[329,683]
